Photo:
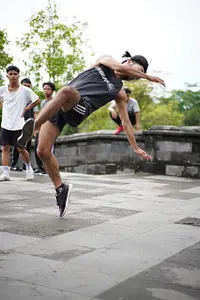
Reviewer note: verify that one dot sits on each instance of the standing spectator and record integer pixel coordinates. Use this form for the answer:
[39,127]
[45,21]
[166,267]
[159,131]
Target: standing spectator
[28,114]
[48,89]
[15,98]
[133,112]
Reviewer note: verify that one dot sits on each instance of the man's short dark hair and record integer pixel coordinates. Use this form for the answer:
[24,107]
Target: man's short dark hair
[51,84]
[127,90]
[139,59]
[26,80]
[13,68]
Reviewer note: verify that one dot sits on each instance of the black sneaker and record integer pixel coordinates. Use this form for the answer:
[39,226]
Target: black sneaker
[16,168]
[63,199]
[27,133]
[37,171]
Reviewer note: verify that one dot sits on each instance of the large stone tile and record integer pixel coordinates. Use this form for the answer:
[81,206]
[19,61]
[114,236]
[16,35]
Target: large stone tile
[165,178]
[175,274]
[57,248]
[161,243]
[190,221]
[9,240]
[195,190]
[100,235]
[181,195]
[19,266]
[19,290]
[147,220]
[57,275]
[137,288]
[149,191]
[43,226]
[112,261]
[114,211]
[188,256]
[165,281]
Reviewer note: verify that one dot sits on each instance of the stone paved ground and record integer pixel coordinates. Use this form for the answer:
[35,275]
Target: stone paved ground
[125,237]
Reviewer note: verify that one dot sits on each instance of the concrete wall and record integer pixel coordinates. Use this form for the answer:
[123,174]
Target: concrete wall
[175,151]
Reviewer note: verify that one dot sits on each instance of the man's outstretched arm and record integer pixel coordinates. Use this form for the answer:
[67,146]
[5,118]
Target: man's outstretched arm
[125,69]
[128,128]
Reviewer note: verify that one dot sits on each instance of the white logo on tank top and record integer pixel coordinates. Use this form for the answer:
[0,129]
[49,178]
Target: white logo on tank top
[103,75]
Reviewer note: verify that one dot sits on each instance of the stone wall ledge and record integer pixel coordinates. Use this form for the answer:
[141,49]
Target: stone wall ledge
[175,151]
[182,131]
[95,135]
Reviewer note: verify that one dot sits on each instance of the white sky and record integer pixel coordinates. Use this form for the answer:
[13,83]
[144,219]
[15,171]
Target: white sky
[166,31]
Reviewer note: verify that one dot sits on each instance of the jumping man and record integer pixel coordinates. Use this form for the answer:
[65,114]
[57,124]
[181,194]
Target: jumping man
[89,91]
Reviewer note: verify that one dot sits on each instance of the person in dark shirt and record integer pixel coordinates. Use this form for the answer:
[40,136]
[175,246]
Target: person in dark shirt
[89,91]
[48,89]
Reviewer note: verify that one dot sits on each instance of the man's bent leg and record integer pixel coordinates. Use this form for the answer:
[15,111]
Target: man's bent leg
[47,138]
[131,115]
[26,158]
[6,155]
[66,99]
[14,160]
[40,167]
[5,163]
[117,120]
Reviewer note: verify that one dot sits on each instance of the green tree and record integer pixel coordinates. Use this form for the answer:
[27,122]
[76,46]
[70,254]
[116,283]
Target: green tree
[5,58]
[188,103]
[53,47]
[162,114]
[99,120]
[192,117]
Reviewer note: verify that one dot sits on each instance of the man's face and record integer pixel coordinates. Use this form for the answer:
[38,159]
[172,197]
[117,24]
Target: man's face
[13,76]
[47,91]
[27,84]
[128,97]
[135,66]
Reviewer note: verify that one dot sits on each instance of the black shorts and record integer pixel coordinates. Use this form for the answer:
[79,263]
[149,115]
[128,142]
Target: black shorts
[74,117]
[9,137]
[131,115]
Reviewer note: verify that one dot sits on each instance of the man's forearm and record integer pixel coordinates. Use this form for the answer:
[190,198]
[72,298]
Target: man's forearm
[33,104]
[130,134]
[122,68]
[137,120]
[128,70]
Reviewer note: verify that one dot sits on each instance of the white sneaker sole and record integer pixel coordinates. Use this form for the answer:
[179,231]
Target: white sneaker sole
[27,133]
[30,178]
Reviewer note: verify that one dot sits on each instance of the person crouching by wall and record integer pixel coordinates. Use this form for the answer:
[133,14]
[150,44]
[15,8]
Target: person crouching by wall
[133,112]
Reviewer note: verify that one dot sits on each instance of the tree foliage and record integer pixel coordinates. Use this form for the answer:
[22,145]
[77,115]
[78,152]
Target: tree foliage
[53,48]
[100,119]
[5,58]
[162,114]
[188,103]
[192,117]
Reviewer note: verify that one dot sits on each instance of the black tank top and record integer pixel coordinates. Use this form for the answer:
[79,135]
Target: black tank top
[97,86]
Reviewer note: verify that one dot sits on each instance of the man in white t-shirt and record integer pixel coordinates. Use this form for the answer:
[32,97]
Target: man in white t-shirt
[133,112]
[14,99]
